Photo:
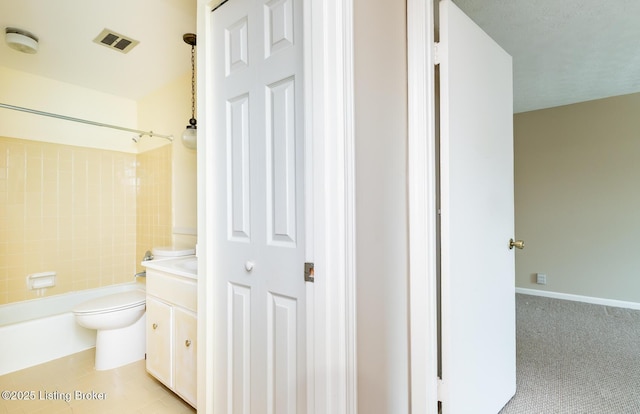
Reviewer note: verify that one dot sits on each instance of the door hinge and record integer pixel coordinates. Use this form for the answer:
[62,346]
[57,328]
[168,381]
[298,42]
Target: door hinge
[308,272]
[436,53]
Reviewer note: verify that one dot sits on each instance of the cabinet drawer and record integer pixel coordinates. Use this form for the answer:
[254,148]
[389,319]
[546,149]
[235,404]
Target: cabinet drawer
[172,289]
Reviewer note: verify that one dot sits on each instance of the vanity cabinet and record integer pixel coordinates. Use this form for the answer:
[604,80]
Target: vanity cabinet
[171,332]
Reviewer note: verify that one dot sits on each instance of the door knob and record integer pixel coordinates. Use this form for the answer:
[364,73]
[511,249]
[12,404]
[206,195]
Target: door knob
[248,265]
[518,244]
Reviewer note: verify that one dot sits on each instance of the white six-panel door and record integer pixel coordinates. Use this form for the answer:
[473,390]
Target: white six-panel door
[478,293]
[259,229]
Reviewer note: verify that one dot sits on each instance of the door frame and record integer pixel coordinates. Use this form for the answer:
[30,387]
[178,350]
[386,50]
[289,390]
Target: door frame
[331,302]
[422,207]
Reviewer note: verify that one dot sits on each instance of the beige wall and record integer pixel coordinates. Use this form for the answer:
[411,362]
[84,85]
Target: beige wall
[381,206]
[165,111]
[29,91]
[87,214]
[66,209]
[153,202]
[161,178]
[169,109]
[577,175]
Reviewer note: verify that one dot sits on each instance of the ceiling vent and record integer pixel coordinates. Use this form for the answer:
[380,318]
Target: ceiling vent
[115,41]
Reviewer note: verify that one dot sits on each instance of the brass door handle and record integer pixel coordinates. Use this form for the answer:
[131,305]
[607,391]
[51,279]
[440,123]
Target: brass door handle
[154,326]
[187,343]
[518,244]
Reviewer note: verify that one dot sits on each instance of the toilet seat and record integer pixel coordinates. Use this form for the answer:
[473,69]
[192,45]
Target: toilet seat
[111,303]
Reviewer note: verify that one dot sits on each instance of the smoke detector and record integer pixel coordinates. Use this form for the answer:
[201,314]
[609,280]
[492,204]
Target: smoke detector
[21,40]
[115,41]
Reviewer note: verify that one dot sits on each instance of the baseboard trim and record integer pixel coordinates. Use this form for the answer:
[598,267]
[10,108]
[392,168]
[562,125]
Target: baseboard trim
[579,298]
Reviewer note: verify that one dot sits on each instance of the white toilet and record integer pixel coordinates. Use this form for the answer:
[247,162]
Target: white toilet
[120,321]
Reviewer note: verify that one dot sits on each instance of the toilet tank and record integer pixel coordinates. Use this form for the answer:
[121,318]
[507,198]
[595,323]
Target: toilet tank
[171,252]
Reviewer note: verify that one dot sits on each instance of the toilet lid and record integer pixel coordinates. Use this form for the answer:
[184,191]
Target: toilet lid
[113,302]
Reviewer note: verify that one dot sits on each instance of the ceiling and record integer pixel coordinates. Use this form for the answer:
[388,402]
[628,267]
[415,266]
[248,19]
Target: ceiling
[563,51]
[66,29]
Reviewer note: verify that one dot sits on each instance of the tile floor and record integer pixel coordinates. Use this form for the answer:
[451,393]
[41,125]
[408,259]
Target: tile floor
[128,389]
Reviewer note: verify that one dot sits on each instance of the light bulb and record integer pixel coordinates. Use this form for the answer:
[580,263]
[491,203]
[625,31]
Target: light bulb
[190,137]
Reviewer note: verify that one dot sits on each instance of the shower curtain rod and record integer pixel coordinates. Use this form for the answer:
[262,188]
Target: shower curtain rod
[85,121]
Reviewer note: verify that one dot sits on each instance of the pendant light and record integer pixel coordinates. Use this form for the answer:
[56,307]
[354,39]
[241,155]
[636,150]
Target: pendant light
[189,136]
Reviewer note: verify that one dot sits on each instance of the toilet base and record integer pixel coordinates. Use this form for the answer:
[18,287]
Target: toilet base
[118,347]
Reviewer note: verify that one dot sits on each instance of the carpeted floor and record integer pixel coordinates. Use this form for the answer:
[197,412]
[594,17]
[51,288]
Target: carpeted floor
[575,357]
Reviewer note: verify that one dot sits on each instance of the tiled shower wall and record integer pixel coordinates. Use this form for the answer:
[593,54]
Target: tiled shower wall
[154,201]
[73,211]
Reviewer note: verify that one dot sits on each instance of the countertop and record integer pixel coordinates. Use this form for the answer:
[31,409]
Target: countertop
[186,266]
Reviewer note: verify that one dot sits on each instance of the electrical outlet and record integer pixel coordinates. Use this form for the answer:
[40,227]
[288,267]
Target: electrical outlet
[541,278]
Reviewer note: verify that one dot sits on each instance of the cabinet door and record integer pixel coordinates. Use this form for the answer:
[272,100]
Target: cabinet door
[159,344]
[185,354]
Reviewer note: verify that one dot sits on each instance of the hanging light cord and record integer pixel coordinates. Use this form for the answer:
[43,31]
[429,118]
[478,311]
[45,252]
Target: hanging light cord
[193,83]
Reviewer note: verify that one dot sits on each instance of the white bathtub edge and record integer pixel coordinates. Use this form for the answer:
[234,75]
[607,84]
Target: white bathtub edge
[49,338]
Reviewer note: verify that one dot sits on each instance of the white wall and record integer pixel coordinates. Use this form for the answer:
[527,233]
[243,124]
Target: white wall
[577,175]
[381,206]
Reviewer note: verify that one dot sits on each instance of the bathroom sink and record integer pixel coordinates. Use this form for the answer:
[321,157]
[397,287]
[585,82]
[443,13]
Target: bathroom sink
[182,266]
[190,264]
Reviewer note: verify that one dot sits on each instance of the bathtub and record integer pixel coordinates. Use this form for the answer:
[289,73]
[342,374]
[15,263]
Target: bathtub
[40,330]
